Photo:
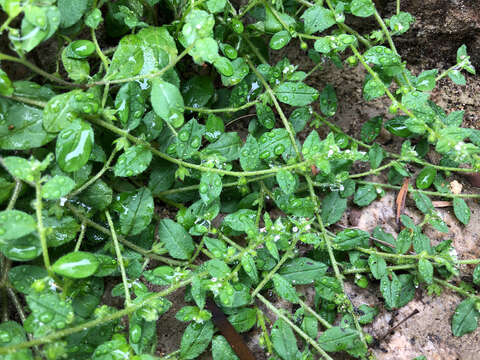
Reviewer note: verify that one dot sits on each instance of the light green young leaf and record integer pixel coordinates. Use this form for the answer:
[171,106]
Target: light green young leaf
[362,8]
[457,77]
[425,269]
[15,224]
[14,334]
[210,187]
[248,264]
[20,168]
[280,39]
[240,70]
[127,60]
[377,266]
[287,181]
[390,289]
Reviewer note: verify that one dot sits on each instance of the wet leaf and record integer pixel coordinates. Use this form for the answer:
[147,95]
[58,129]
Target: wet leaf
[76,265]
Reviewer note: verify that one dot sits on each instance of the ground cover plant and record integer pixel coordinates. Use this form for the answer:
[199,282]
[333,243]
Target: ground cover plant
[182,158]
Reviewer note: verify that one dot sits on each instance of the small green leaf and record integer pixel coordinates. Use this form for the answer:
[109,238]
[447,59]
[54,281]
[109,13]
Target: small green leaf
[371,129]
[74,145]
[130,105]
[284,341]
[367,314]
[14,224]
[23,276]
[20,168]
[176,239]
[265,115]
[425,269]
[244,319]
[376,155]
[273,144]
[76,265]
[12,333]
[127,59]
[287,181]
[426,80]
[167,102]
[57,187]
[248,264]
[228,146]
[377,266]
[136,211]
[280,40]
[239,67]
[404,241]
[302,271]
[221,349]
[98,195]
[296,93]
[333,207]
[132,162]
[465,317]
[71,11]
[390,290]
[365,195]
[196,339]
[210,187]
[457,77]
[423,202]
[362,8]
[340,339]
[349,239]
[328,101]
[317,18]
[426,177]
[476,275]
[284,289]
[461,210]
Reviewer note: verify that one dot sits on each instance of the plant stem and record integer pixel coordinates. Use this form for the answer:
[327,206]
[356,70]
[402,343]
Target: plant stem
[96,177]
[398,7]
[222,110]
[83,227]
[314,313]
[39,71]
[373,171]
[367,270]
[28,101]
[93,323]
[100,54]
[299,331]
[119,259]
[14,196]
[454,288]
[164,156]
[40,228]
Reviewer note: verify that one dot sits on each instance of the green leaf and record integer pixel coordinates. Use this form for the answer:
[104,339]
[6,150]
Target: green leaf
[221,350]
[210,187]
[296,93]
[328,101]
[77,69]
[225,68]
[241,220]
[376,155]
[98,195]
[20,168]
[377,266]
[248,264]
[426,177]
[76,265]
[280,39]
[127,59]
[57,187]
[14,224]
[299,118]
[284,341]
[372,88]
[423,202]
[390,290]
[340,339]
[244,319]
[457,77]
[216,6]
[287,181]
[302,271]
[23,276]
[60,231]
[362,8]
[265,115]
[365,195]
[401,22]
[214,127]
[240,70]
[461,210]
[74,145]
[465,317]
[425,269]
[130,105]
[50,312]
[317,18]
[228,146]
[167,102]
[371,129]
[197,91]
[455,118]
[273,144]
[71,11]
[333,207]
[176,239]
[189,139]
[132,162]
[12,333]
[21,128]
[426,80]
[93,18]
[136,211]
[404,241]
[476,275]
[349,239]
[367,314]
[284,289]
[380,55]
[196,339]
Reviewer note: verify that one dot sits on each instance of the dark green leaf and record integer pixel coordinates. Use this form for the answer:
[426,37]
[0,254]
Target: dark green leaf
[371,129]
[133,161]
[465,317]
[390,289]
[74,145]
[221,350]
[302,271]
[76,265]
[284,289]
[176,239]
[328,101]
[375,155]
[333,207]
[317,18]
[377,266]
[365,195]
[351,238]
[284,341]
[339,339]
[196,339]
[137,212]
[296,93]
[244,319]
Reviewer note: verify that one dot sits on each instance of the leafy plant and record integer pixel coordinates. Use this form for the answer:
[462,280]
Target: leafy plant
[123,167]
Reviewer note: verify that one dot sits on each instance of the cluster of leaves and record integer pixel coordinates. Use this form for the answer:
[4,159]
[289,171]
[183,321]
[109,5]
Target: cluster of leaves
[89,164]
